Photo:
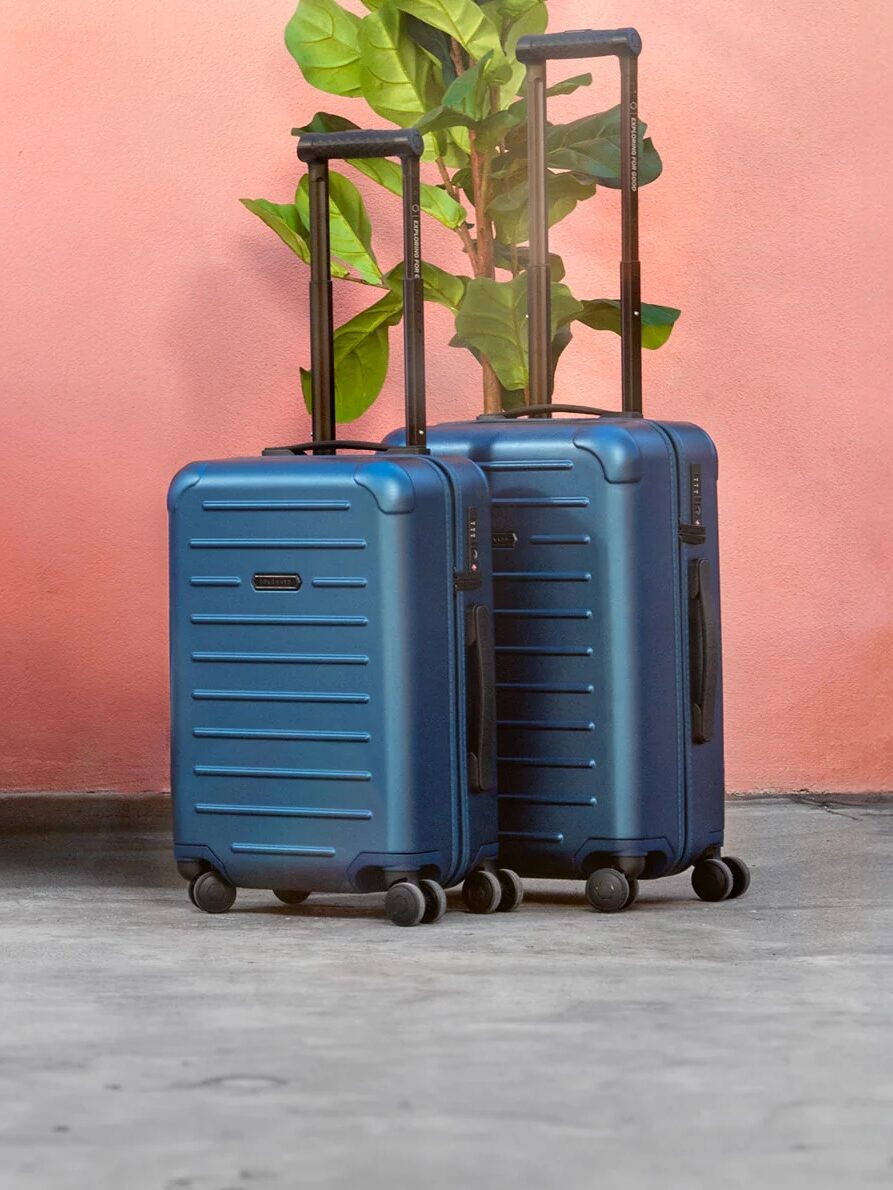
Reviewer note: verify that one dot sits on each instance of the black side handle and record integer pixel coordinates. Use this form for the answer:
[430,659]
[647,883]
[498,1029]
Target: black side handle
[302,448]
[541,410]
[578,43]
[703,631]
[480,685]
[337,146]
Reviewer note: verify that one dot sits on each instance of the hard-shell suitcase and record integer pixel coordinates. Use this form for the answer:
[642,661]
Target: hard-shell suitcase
[606,578]
[331,644]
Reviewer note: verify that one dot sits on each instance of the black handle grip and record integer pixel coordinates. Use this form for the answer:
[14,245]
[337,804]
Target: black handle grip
[540,410]
[480,699]
[328,446]
[335,146]
[703,629]
[578,43]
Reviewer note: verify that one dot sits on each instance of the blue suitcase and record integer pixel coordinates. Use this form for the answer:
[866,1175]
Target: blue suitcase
[333,722]
[606,577]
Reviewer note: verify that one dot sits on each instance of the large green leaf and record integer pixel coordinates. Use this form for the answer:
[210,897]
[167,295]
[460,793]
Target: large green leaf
[395,75]
[509,210]
[568,86]
[467,99]
[533,19]
[508,10]
[461,19]
[351,231]
[322,37]
[361,358]
[435,43]
[513,398]
[603,314]
[494,128]
[591,146]
[560,340]
[446,289]
[513,19]
[514,257]
[434,199]
[283,218]
[492,319]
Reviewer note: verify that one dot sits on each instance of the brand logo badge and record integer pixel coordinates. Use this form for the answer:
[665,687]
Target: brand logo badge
[505,540]
[276,582]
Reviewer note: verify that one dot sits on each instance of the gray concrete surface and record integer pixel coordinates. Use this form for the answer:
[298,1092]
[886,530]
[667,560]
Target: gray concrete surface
[150,1047]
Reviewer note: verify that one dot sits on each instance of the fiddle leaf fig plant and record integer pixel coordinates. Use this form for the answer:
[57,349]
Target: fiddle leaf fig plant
[448,68]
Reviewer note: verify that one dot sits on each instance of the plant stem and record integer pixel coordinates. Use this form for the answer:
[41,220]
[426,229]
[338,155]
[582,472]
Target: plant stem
[456,56]
[492,388]
[480,181]
[462,230]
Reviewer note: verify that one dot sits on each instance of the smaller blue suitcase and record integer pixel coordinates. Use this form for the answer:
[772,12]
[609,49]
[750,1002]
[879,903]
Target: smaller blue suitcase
[333,717]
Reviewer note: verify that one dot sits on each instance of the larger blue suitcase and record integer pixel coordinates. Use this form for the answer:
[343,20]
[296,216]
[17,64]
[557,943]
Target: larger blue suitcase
[606,573]
[331,647]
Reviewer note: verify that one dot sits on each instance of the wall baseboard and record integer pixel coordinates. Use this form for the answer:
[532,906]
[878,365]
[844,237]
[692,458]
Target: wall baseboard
[42,812]
[50,811]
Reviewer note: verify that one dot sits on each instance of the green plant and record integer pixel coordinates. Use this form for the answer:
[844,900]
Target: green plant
[448,68]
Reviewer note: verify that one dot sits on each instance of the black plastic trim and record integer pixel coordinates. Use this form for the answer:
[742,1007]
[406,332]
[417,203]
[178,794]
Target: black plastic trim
[692,534]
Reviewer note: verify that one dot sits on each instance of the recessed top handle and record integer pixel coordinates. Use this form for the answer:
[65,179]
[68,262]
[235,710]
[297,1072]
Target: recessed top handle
[579,43]
[548,410]
[337,146]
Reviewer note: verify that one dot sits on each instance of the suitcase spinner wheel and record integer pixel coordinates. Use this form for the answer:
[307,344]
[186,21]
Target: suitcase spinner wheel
[212,893]
[292,896]
[488,892]
[408,904]
[610,891]
[723,879]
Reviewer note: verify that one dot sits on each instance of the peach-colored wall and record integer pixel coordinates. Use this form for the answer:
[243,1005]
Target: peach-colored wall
[148,320]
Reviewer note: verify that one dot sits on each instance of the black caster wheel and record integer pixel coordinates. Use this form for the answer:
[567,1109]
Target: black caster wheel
[290,896]
[435,902]
[512,889]
[191,891]
[712,880]
[633,891]
[607,890]
[405,904]
[481,891]
[740,875]
[212,893]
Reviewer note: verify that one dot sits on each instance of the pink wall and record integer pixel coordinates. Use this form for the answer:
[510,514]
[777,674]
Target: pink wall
[148,320]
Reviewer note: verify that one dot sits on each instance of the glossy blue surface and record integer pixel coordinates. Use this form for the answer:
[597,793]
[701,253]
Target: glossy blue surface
[591,595]
[319,735]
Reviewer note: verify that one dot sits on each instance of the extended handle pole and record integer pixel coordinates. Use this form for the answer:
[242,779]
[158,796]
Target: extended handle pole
[539,278]
[630,268]
[535,51]
[413,309]
[322,351]
[317,149]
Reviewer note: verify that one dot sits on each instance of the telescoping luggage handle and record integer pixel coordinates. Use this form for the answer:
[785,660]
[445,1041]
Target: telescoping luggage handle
[317,149]
[535,51]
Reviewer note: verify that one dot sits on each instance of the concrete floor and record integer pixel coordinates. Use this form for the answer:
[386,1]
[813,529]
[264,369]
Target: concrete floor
[146,1046]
